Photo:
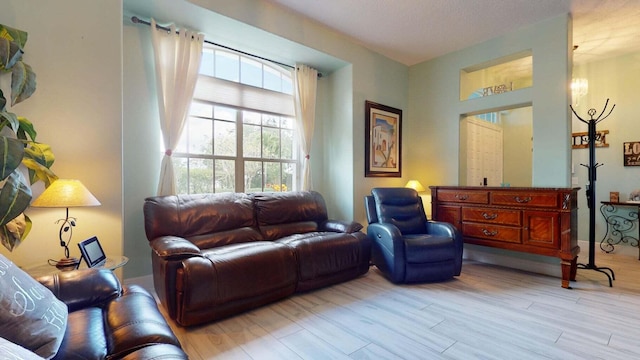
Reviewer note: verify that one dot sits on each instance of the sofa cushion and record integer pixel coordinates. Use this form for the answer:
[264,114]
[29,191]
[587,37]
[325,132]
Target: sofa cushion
[30,315]
[304,210]
[192,215]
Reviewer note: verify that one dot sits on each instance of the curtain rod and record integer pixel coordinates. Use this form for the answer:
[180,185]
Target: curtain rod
[137,20]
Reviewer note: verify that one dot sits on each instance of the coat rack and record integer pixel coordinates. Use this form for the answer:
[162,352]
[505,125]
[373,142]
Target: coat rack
[591,188]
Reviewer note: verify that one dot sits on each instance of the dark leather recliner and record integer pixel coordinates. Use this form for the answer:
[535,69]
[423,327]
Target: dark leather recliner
[406,247]
[109,321]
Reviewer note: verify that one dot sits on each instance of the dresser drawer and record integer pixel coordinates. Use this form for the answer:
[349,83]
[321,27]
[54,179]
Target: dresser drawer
[493,216]
[524,199]
[464,196]
[492,232]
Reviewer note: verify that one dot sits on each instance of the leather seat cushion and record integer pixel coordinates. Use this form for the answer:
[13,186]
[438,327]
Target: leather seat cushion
[85,337]
[323,253]
[251,269]
[428,248]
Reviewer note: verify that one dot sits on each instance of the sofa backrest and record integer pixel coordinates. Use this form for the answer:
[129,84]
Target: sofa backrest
[207,220]
[288,213]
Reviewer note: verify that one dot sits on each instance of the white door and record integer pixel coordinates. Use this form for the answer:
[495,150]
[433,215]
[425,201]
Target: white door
[484,152]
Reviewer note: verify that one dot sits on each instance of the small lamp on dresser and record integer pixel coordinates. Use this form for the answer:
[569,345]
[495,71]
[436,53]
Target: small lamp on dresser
[66,193]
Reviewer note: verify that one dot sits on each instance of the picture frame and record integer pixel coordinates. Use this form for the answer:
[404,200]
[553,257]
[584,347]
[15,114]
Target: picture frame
[631,153]
[92,252]
[383,140]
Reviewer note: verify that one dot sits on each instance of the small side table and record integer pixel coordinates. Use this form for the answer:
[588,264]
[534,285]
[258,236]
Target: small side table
[112,263]
[622,224]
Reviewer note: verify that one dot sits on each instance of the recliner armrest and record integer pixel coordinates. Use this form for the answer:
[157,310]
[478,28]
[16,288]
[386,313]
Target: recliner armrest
[174,247]
[83,288]
[441,228]
[341,226]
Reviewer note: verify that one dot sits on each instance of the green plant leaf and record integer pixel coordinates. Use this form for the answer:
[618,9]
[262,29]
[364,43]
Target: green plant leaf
[3,101]
[11,153]
[13,233]
[14,35]
[10,54]
[15,196]
[39,158]
[11,119]
[26,128]
[23,82]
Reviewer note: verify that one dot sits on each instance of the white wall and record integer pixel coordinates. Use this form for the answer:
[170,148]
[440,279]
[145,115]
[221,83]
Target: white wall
[436,109]
[75,48]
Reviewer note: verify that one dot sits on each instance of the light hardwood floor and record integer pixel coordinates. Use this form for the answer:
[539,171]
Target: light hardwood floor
[489,312]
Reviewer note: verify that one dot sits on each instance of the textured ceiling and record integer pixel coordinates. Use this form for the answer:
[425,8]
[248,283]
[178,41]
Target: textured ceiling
[412,31]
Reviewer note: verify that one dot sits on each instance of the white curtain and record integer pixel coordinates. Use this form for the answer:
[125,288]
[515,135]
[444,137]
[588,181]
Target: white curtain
[177,59]
[305,98]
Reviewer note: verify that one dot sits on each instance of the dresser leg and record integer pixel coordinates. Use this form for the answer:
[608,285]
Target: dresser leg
[569,269]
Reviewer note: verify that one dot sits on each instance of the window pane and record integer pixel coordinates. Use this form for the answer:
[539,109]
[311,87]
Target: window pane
[270,143]
[182,176]
[270,120]
[273,178]
[287,85]
[249,117]
[200,136]
[272,79]
[206,64]
[287,122]
[227,66]
[200,176]
[251,141]
[225,176]
[252,176]
[287,144]
[224,113]
[225,138]
[250,72]
[288,176]
[201,110]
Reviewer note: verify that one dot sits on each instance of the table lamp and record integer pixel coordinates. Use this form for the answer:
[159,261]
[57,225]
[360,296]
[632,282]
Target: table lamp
[415,185]
[66,193]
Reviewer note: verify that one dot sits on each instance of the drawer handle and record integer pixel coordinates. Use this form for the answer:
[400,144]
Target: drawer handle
[489,233]
[461,197]
[523,201]
[489,216]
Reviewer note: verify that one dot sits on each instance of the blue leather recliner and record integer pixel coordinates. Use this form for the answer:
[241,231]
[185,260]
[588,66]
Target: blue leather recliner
[406,247]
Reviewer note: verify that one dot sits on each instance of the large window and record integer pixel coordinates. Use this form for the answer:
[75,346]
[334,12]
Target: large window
[240,134]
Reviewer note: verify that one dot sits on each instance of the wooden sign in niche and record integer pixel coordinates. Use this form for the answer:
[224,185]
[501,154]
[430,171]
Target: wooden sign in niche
[581,139]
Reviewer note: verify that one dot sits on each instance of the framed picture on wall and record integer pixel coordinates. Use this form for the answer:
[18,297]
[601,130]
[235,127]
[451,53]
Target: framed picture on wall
[383,141]
[631,153]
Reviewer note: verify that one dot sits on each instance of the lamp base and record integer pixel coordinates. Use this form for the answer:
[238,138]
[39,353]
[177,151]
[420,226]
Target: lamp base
[68,263]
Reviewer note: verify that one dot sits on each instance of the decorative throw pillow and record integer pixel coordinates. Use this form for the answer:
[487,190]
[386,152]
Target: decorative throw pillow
[30,315]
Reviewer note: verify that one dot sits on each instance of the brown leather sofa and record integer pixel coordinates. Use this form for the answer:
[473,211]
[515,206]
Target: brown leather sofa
[104,321]
[215,255]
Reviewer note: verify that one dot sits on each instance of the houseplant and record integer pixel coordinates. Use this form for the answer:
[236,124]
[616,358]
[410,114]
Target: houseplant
[18,144]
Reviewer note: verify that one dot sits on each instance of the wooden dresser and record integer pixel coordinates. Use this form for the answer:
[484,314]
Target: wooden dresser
[539,221]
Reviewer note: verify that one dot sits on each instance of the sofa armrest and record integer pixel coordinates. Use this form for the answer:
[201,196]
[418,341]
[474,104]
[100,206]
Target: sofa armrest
[341,226]
[174,248]
[83,288]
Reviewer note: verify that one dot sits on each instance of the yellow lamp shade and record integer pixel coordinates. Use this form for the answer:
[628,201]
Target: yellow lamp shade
[416,185]
[65,193]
